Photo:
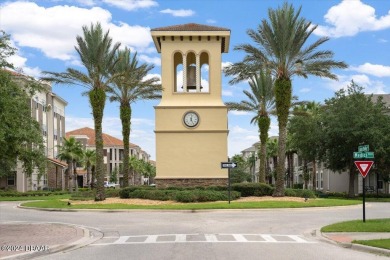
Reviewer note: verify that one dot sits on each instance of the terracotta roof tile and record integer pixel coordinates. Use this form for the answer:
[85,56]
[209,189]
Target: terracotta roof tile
[190,27]
[58,162]
[108,140]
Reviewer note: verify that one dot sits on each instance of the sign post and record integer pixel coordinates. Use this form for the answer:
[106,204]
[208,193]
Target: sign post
[364,167]
[228,165]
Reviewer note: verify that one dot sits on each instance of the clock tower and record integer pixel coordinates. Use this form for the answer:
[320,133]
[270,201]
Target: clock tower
[191,119]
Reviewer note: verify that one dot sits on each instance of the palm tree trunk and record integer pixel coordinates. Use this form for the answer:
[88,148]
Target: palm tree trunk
[97,99]
[283,92]
[125,115]
[67,175]
[314,175]
[262,156]
[88,174]
[75,176]
[264,125]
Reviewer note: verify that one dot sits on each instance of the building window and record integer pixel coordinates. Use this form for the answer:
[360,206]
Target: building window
[380,185]
[11,179]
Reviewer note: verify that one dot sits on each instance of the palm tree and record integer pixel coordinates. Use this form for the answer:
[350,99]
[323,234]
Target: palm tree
[262,103]
[272,152]
[280,49]
[127,89]
[70,152]
[89,161]
[97,54]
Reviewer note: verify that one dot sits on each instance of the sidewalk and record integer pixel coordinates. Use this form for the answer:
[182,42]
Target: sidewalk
[345,239]
[24,240]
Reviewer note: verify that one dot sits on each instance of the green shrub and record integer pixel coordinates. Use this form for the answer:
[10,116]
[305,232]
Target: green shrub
[112,193]
[290,193]
[83,195]
[13,193]
[299,193]
[157,194]
[253,189]
[298,186]
[204,196]
[124,192]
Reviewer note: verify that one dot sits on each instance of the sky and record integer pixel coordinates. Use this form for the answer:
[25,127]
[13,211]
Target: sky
[44,32]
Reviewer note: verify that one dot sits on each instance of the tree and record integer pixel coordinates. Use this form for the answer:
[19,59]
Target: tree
[135,169]
[6,50]
[281,50]
[71,152]
[350,119]
[20,135]
[272,152]
[240,173]
[127,89]
[98,56]
[89,159]
[262,103]
[306,133]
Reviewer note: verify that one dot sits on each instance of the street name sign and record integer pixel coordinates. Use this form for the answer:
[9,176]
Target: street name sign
[364,148]
[361,155]
[364,167]
[227,165]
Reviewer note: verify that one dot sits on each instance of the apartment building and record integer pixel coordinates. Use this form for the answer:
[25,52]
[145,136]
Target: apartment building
[112,150]
[49,110]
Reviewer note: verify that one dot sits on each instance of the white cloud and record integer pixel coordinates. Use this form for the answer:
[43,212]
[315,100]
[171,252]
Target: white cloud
[19,63]
[305,90]
[178,13]
[370,86]
[373,69]
[149,76]
[211,21]
[351,17]
[131,5]
[226,64]
[227,93]
[37,27]
[86,2]
[239,113]
[152,60]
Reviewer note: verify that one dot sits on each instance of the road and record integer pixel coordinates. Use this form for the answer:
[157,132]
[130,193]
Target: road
[211,234]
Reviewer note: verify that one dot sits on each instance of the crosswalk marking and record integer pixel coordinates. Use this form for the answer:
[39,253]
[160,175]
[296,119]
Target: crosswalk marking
[268,238]
[203,238]
[239,238]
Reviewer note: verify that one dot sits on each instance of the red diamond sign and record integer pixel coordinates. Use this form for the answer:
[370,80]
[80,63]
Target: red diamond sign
[364,167]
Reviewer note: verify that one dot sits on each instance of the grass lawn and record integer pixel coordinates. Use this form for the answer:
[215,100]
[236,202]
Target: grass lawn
[371,225]
[381,243]
[58,204]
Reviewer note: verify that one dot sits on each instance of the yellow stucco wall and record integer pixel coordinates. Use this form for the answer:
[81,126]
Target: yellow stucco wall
[183,152]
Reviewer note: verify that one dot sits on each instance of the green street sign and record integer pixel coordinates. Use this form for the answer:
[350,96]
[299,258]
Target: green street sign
[361,155]
[364,148]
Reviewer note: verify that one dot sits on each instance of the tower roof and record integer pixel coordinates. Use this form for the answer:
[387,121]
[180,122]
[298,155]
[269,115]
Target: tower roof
[190,27]
[190,30]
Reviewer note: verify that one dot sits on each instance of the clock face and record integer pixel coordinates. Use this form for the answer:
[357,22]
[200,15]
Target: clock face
[191,119]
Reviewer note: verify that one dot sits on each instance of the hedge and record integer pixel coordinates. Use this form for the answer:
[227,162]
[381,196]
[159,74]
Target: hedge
[253,189]
[299,193]
[179,194]
[10,193]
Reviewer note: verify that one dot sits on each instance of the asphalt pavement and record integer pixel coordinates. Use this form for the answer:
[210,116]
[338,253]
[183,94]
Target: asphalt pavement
[29,240]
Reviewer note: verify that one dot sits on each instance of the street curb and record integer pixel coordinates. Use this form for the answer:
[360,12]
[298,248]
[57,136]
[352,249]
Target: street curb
[358,247]
[84,241]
